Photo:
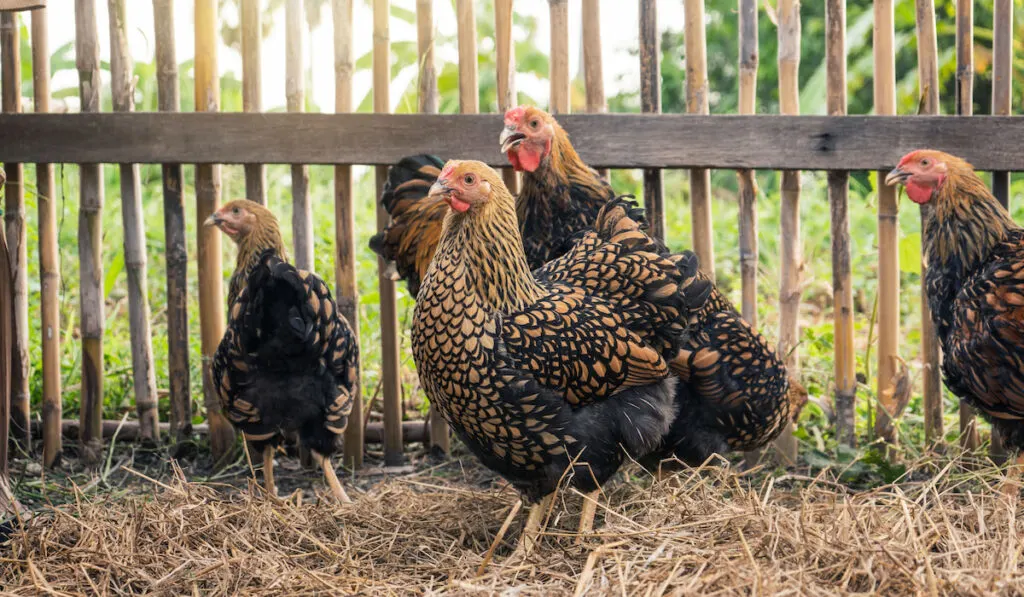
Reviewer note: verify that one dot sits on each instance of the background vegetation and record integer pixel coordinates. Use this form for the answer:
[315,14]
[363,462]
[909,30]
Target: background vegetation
[816,322]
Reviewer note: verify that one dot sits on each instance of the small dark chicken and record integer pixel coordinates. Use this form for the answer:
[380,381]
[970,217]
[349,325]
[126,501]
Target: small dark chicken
[975,282]
[538,376]
[560,197]
[288,360]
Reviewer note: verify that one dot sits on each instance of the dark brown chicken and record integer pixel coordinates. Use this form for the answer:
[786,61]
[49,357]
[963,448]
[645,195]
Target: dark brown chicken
[975,283]
[560,197]
[539,377]
[288,361]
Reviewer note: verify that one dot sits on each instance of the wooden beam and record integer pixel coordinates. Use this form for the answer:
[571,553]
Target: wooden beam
[769,142]
[16,5]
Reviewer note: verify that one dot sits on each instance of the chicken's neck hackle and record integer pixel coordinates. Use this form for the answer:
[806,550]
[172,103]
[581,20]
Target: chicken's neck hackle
[547,188]
[266,235]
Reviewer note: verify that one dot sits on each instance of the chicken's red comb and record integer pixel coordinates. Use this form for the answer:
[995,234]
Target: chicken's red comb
[448,169]
[515,115]
[910,157]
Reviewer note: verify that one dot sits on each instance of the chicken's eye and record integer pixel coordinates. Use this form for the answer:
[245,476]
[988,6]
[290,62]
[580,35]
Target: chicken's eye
[469,179]
[534,123]
[235,210]
[926,162]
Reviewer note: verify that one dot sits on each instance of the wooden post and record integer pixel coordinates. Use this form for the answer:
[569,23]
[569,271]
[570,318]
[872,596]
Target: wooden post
[302,210]
[176,254]
[928,76]
[90,239]
[211,280]
[560,84]
[122,93]
[838,200]
[49,254]
[252,88]
[593,68]
[888,231]
[697,103]
[428,102]
[6,321]
[747,182]
[506,67]
[469,92]
[390,374]
[650,101]
[969,439]
[17,238]
[791,243]
[344,219]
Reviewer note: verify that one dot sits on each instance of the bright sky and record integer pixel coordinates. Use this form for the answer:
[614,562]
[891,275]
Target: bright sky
[619,31]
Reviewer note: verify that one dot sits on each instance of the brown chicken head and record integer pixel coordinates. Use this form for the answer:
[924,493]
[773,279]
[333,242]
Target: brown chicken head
[923,172]
[527,137]
[466,185]
[240,218]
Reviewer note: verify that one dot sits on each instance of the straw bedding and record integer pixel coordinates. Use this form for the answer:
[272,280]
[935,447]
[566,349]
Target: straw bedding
[939,531]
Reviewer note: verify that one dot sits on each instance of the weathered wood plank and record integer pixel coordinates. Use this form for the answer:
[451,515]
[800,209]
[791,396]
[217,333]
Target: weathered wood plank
[15,5]
[770,142]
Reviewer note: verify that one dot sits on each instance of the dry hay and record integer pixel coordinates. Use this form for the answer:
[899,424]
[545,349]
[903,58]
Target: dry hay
[710,532]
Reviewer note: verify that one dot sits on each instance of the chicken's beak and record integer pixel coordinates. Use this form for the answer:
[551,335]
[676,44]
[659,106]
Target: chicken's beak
[509,138]
[897,176]
[439,189]
[213,220]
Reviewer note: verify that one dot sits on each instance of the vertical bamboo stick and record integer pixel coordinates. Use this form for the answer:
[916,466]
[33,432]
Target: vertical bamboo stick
[697,103]
[969,439]
[176,254]
[792,249]
[344,218]
[838,199]
[49,255]
[211,289]
[390,374]
[650,102]
[747,182]
[90,240]
[506,68]
[6,322]
[122,93]
[559,75]
[252,88]
[593,67]
[14,219]
[428,103]
[469,92]
[928,69]
[302,210]
[888,229]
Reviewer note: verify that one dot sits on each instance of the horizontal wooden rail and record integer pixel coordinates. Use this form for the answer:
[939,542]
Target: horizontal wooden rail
[604,140]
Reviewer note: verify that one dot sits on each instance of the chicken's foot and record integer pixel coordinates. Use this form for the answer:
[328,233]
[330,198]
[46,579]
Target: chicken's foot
[1011,484]
[331,477]
[587,514]
[531,532]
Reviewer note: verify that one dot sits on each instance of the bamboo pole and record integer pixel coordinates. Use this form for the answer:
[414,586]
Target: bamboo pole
[302,210]
[176,253]
[888,230]
[469,92]
[90,239]
[211,290]
[440,442]
[6,322]
[593,67]
[506,67]
[839,206]
[747,181]
[791,243]
[650,102]
[344,219]
[17,237]
[697,103]
[390,374]
[49,254]
[252,88]
[122,93]
[969,439]
[928,69]
[561,99]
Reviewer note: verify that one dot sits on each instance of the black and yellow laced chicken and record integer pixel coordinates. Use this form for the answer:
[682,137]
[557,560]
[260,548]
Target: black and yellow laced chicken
[288,361]
[565,373]
[975,283]
[560,197]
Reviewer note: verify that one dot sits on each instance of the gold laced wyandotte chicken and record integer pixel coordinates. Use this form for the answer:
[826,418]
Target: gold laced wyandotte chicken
[288,361]
[541,376]
[975,282]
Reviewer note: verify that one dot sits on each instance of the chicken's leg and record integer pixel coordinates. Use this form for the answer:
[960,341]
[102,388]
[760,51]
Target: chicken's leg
[1011,484]
[587,514]
[268,470]
[331,477]
[531,532]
